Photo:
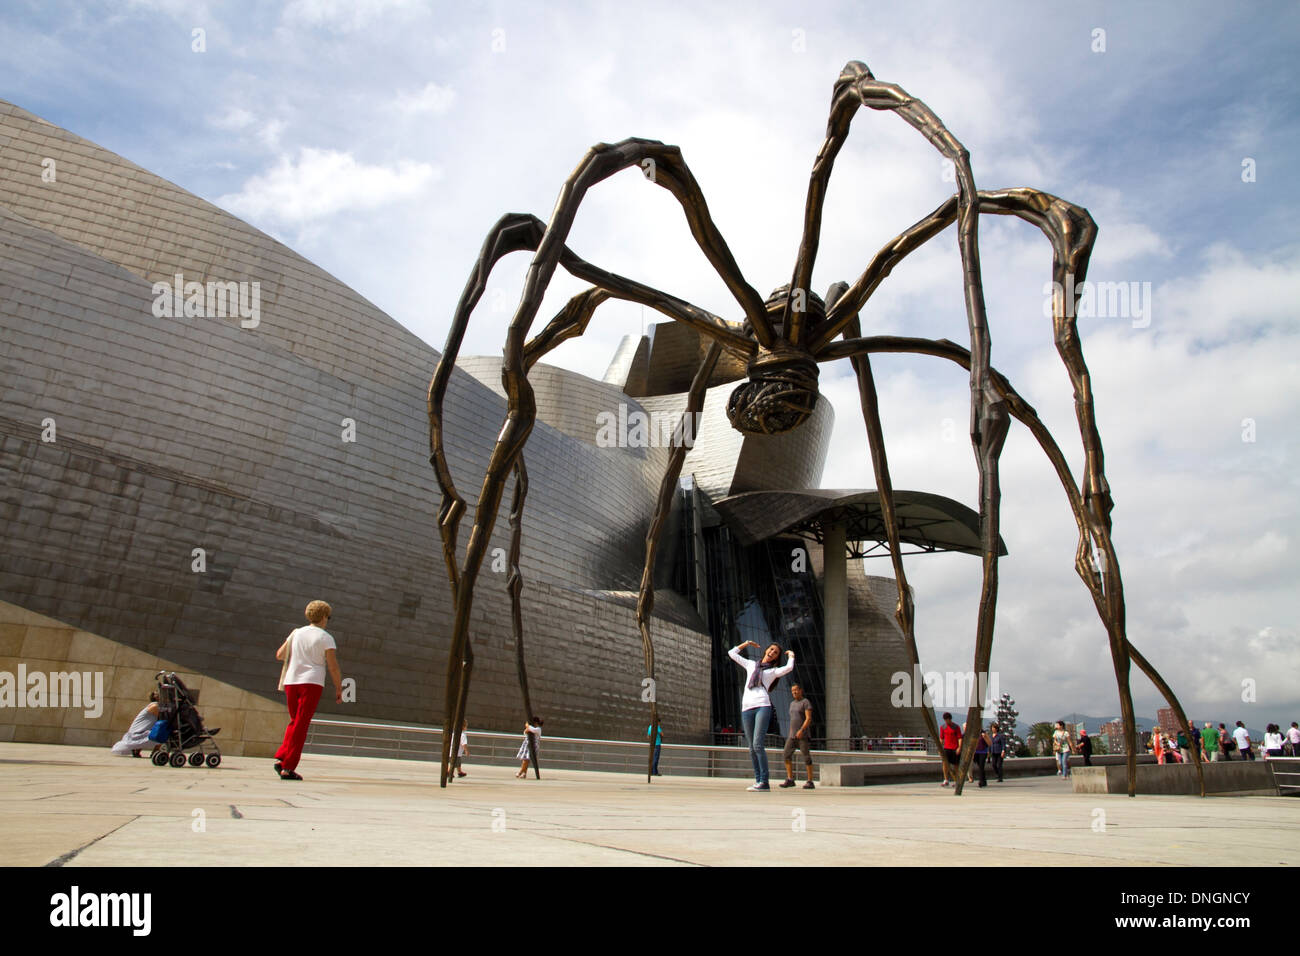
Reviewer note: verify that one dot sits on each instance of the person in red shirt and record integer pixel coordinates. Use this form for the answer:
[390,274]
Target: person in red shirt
[950,736]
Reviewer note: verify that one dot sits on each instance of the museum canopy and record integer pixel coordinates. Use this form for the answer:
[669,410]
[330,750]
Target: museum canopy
[928,522]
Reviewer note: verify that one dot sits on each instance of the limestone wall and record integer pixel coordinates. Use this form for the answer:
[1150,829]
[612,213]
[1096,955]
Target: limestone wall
[250,724]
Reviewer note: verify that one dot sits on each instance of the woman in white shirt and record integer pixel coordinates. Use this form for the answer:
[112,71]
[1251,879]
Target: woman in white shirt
[1062,747]
[1272,741]
[307,653]
[756,704]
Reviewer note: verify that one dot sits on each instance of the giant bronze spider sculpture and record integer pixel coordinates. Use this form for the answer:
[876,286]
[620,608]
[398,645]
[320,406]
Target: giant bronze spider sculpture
[782,340]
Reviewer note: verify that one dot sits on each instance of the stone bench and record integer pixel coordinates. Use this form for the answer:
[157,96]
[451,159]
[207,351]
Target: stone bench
[1243,777]
[922,771]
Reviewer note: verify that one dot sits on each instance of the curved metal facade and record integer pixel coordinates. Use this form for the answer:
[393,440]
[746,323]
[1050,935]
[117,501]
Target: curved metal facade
[175,434]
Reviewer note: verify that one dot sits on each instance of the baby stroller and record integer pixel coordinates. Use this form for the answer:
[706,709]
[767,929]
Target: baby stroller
[180,728]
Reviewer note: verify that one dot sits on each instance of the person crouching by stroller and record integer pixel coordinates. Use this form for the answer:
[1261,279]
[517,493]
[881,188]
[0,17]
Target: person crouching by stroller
[137,737]
[306,653]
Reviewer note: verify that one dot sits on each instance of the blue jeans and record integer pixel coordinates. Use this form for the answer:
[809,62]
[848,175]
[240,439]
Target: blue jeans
[755,722]
[1063,758]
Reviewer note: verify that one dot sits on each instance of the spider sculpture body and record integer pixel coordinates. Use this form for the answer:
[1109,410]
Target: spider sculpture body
[782,339]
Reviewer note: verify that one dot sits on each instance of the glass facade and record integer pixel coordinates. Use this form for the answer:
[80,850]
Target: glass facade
[766,593]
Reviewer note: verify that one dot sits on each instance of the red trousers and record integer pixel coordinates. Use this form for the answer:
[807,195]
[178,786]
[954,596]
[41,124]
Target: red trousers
[302,699]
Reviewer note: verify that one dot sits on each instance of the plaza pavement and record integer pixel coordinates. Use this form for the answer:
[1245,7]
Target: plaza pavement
[82,806]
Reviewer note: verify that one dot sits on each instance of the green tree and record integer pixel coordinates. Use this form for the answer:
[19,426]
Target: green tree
[1040,737]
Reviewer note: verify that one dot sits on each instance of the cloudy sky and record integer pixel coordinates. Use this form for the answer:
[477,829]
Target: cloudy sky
[381,139]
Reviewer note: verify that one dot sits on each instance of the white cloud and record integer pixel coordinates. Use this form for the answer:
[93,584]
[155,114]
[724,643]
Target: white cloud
[1203,518]
[182,10]
[432,99]
[1235,296]
[341,16]
[1122,241]
[236,119]
[269,134]
[233,118]
[322,183]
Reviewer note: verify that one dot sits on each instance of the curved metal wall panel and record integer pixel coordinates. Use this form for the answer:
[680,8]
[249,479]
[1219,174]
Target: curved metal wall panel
[627,369]
[877,651]
[176,434]
[726,462]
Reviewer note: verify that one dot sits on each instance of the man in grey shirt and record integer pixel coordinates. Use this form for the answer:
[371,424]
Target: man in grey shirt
[798,734]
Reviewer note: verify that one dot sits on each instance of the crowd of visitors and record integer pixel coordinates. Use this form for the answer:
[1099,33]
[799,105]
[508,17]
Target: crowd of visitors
[308,653]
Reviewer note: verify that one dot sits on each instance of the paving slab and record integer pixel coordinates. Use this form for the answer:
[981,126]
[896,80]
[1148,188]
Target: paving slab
[82,806]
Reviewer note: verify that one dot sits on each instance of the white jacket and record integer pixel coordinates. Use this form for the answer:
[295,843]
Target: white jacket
[758,696]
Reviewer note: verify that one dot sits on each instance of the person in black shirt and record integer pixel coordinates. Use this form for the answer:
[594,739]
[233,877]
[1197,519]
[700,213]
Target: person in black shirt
[1085,747]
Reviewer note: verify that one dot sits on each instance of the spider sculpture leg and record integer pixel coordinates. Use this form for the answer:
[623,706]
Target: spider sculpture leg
[842,304]
[571,322]
[522,232]
[515,585]
[665,167]
[1023,412]
[1071,233]
[667,490]
[518,232]
[904,611]
[510,234]
[857,87]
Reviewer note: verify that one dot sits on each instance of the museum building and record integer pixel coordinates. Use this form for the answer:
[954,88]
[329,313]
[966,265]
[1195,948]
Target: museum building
[201,431]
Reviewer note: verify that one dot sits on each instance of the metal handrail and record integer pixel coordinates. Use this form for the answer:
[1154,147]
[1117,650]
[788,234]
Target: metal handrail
[1273,763]
[405,741]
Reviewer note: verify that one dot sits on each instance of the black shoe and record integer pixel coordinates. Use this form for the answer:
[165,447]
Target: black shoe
[809,786]
[289,775]
[279,767]
[788,783]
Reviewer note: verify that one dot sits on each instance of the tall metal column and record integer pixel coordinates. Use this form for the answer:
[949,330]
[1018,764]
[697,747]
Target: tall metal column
[835,611]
